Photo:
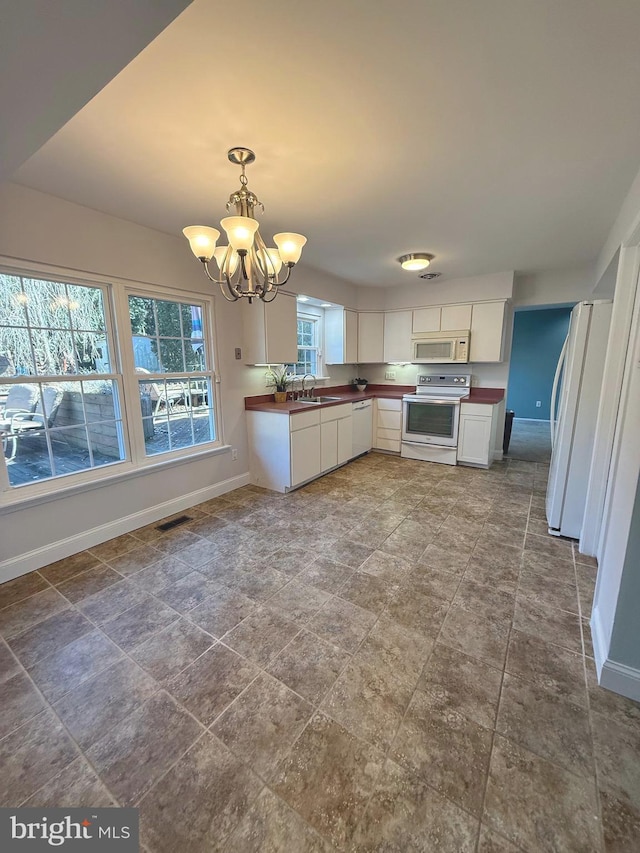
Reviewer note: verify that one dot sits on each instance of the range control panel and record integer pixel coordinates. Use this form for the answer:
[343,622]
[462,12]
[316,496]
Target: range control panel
[449,380]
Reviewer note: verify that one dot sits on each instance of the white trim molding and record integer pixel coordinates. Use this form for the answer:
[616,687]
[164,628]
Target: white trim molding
[612,675]
[40,557]
[621,678]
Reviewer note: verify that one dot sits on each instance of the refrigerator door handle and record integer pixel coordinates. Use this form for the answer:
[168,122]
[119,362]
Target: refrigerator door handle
[554,390]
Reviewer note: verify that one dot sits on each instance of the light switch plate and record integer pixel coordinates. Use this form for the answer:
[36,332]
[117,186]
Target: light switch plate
[389,374]
[238,353]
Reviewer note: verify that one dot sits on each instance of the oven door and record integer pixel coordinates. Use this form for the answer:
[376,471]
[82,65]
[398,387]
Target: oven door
[430,421]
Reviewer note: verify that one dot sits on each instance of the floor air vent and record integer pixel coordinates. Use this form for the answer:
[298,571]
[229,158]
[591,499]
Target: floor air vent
[175,522]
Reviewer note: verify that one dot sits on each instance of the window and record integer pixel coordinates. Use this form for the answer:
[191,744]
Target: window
[59,397]
[176,393]
[67,408]
[309,354]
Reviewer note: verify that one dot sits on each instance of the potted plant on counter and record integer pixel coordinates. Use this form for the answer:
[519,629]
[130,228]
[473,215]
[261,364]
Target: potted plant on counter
[281,380]
[361,384]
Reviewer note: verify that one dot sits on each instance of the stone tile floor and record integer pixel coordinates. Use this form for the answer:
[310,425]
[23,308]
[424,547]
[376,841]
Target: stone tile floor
[395,658]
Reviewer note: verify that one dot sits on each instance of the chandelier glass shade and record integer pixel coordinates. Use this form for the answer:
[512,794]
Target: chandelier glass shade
[247,267]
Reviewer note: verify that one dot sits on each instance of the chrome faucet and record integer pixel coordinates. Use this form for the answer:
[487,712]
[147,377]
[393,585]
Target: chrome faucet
[303,379]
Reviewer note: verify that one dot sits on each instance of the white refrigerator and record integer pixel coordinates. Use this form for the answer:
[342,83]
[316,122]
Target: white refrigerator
[574,410]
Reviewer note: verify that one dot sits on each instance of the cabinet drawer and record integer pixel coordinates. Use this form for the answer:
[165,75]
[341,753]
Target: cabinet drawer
[389,420]
[333,413]
[304,419]
[481,410]
[389,405]
[393,434]
[388,444]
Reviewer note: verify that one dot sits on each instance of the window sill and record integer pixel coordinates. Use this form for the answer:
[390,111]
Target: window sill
[12,503]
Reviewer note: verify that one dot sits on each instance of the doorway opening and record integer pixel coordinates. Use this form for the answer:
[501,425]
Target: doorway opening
[538,336]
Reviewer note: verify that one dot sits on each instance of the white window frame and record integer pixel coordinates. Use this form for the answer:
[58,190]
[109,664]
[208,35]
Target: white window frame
[132,378]
[318,333]
[116,305]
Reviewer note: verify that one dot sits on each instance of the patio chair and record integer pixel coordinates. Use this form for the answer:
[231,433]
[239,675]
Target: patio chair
[21,400]
[32,423]
[163,395]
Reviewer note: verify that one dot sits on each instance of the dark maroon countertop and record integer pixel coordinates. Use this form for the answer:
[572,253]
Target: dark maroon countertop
[490,396]
[346,393]
[265,402]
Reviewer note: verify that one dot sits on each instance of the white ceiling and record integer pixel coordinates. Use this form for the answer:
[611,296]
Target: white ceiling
[499,135]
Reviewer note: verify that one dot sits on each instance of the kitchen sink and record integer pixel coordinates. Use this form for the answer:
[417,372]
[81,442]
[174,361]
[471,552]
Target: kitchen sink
[317,400]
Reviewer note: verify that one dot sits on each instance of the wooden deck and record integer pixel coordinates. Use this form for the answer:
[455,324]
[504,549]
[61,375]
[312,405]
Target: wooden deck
[32,462]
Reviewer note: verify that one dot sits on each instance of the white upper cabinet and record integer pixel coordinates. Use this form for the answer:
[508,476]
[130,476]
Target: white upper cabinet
[270,331]
[371,337]
[426,320]
[351,336]
[487,331]
[340,336]
[397,335]
[455,318]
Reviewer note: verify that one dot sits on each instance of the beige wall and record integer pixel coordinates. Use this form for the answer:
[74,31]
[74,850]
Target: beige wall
[39,229]
[554,287]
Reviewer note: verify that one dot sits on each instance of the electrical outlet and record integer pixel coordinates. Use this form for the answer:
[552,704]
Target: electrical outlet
[234,454]
[538,403]
[238,352]
[389,374]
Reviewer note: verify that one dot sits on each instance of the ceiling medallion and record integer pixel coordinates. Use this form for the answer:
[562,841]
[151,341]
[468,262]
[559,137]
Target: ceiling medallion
[415,260]
[247,267]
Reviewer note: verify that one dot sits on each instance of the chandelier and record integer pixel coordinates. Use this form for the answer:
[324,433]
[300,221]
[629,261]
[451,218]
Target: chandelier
[247,266]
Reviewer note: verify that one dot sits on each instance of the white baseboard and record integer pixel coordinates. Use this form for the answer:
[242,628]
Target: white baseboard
[612,675]
[40,557]
[599,641]
[621,678]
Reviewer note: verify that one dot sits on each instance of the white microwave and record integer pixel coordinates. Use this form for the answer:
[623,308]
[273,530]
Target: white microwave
[440,347]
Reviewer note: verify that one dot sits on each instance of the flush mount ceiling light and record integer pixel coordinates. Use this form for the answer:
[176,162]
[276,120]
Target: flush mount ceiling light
[247,267]
[415,260]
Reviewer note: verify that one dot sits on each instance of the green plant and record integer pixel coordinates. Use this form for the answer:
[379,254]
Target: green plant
[279,378]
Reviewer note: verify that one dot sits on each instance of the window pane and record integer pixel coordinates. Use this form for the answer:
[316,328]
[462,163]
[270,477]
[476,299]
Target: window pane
[176,414]
[15,352]
[12,301]
[86,308]
[53,351]
[168,314]
[142,316]
[178,345]
[64,427]
[171,356]
[46,303]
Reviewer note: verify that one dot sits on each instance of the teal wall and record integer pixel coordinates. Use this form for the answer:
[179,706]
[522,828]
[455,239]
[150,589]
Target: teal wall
[537,340]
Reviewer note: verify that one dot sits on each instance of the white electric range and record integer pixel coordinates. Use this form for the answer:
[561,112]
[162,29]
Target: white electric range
[431,416]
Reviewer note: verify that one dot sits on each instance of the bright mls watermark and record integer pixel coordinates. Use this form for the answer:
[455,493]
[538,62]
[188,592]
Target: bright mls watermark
[81,830]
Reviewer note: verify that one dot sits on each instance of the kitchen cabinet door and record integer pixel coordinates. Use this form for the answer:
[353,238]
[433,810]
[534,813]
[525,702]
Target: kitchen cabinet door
[350,337]
[455,318]
[345,439]
[487,331]
[371,337]
[474,439]
[397,335]
[305,454]
[270,331]
[341,336]
[426,320]
[328,445]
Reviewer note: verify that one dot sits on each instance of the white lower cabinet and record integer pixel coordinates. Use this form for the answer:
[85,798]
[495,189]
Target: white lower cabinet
[287,451]
[478,433]
[388,425]
[336,430]
[305,455]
